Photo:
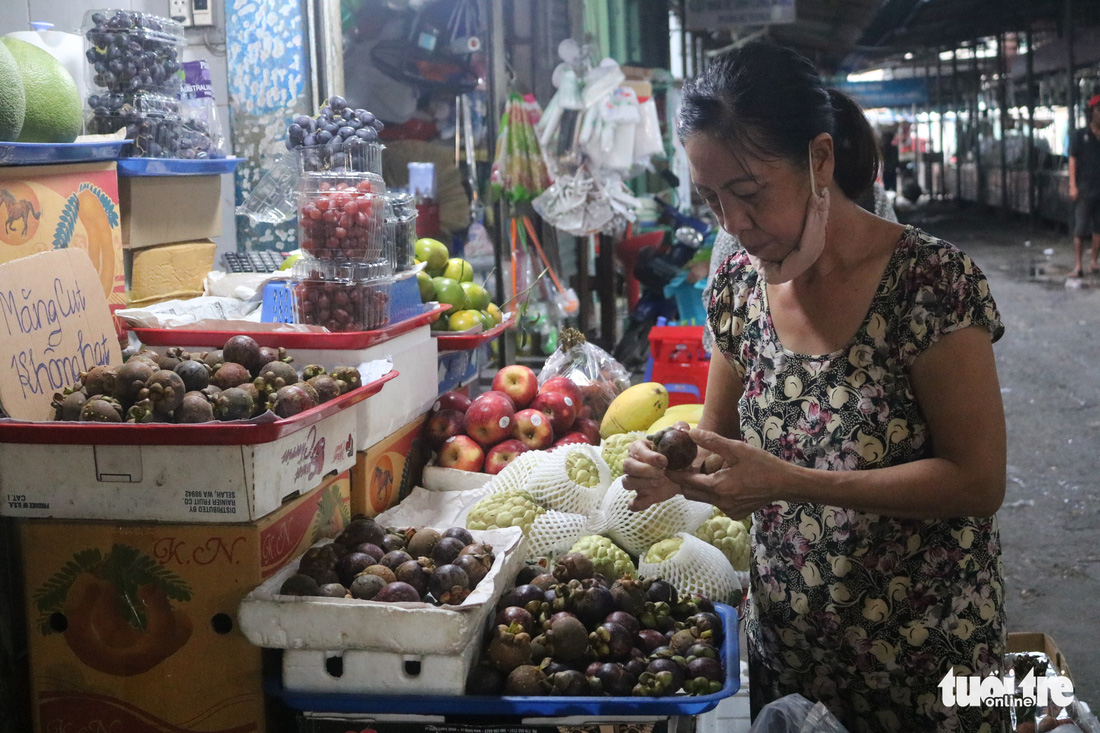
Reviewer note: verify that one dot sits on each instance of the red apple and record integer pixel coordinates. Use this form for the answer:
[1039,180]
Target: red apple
[502,454]
[533,429]
[490,418]
[461,452]
[442,425]
[565,385]
[573,438]
[452,401]
[560,407]
[519,383]
[506,396]
[589,428]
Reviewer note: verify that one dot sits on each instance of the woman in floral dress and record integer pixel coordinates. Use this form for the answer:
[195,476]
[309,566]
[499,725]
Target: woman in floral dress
[854,405]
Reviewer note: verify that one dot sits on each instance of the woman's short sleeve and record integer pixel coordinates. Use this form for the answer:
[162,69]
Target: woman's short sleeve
[949,292]
[734,282]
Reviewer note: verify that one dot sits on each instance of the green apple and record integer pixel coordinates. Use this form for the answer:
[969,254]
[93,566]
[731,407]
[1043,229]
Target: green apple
[459,269]
[450,292]
[427,289]
[477,297]
[464,320]
[433,252]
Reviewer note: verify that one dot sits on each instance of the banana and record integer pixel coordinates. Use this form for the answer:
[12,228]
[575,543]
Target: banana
[681,409]
[669,420]
[635,409]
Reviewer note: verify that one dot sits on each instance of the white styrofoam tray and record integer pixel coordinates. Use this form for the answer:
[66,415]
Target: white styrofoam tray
[369,672]
[269,619]
[437,478]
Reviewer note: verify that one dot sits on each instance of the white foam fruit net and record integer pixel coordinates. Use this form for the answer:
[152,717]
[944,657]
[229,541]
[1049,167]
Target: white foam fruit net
[553,533]
[635,532]
[696,568]
[513,477]
[570,479]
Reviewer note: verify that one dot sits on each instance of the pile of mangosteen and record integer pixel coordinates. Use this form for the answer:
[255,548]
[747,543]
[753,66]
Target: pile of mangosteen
[569,632]
[372,563]
[241,380]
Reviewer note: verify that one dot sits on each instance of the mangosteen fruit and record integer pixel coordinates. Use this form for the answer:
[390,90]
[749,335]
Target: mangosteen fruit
[567,639]
[275,375]
[347,378]
[707,625]
[365,587]
[211,391]
[415,574]
[101,409]
[69,406]
[449,584]
[309,390]
[626,620]
[131,379]
[289,401]
[369,548]
[475,568]
[569,683]
[650,639]
[195,375]
[508,650]
[350,565]
[165,390]
[213,359]
[459,533]
[195,407]
[392,559]
[615,680]
[521,596]
[398,592]
[526,679]
[676,446]
[99,380]
[326,387]
[422,542]
[611,641]
[446,550]
[485,679]
[659,590]
[311,371]
[269,354]
[592,604]
[332,590]
[392,541]
[299,584]
[573,566]
[516,615]
[363,530]
[245,351]
[381,571]
[233,404]
[230,374]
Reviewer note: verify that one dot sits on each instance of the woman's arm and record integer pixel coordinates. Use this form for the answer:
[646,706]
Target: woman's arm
[955,382]
[644,468]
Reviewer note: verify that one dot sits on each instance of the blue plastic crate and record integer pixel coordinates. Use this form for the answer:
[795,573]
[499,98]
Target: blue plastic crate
[278,304]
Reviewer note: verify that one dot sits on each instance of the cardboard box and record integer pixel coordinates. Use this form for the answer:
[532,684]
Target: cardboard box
[1037,641]
[76,206]
[168,271]
[133,627]
[386,472]
[165,209]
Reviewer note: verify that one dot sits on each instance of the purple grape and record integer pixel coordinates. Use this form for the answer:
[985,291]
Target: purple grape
[310,140]
[345,132]
[303,120]
[367,134]
[364,116]
[325,111]
[331,128]
[337,103]
[323,137]
[378,125]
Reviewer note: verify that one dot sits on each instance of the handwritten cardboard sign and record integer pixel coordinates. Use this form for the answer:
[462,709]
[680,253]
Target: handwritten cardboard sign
[54,324]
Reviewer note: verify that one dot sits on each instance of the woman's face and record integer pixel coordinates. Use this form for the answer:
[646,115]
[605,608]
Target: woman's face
[761,202]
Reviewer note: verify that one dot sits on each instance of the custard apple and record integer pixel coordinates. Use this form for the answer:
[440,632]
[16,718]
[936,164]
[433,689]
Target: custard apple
[614,450]
[729,536]
[505,509]
[610,560]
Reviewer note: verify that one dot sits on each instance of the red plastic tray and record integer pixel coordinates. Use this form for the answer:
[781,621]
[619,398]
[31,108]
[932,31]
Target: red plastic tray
[466,341]
[243,432]
[289,340]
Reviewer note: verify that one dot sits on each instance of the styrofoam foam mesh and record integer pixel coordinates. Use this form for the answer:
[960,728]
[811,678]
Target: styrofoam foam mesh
[513,477]
[697,568]
[554,533]
[635,532]
[550,484]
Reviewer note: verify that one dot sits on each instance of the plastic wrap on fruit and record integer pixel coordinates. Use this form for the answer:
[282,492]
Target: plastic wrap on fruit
[598,376]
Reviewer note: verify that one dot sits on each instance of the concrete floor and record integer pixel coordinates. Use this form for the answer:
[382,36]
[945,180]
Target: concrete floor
[1049,368]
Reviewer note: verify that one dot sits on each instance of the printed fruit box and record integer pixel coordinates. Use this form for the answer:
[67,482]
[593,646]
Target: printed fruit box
[210,472]
[132,626]
[272,620]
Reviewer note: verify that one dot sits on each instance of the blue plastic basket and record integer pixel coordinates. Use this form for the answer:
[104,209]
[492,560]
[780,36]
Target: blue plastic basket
[278,304]
[689,300]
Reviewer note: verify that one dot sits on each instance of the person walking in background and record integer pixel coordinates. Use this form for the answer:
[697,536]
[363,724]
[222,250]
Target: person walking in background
[1084,188]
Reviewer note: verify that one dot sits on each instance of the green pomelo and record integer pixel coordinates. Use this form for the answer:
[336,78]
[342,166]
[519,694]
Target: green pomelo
[53,102]
[13,100]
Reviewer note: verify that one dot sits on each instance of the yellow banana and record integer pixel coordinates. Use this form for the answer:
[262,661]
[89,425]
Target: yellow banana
[668,421]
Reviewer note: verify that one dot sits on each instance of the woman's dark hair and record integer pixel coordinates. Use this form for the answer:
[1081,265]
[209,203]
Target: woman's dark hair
[769,101]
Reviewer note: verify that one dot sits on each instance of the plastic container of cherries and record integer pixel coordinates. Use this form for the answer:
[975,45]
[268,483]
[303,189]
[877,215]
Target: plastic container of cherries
[341,216]
[341,295]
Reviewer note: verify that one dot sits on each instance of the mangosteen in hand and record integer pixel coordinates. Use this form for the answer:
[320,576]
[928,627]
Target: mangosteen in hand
[675,445]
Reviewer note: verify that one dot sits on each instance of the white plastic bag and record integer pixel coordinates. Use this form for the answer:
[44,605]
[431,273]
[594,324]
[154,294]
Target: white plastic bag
[796,714]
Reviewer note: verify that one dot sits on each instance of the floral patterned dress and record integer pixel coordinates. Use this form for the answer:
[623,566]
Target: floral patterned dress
[863,612]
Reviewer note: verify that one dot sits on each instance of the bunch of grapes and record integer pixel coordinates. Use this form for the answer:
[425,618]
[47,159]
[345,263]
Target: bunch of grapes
[132,51]
[336,131]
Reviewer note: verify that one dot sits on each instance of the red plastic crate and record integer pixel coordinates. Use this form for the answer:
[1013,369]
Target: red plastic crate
[679,362]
